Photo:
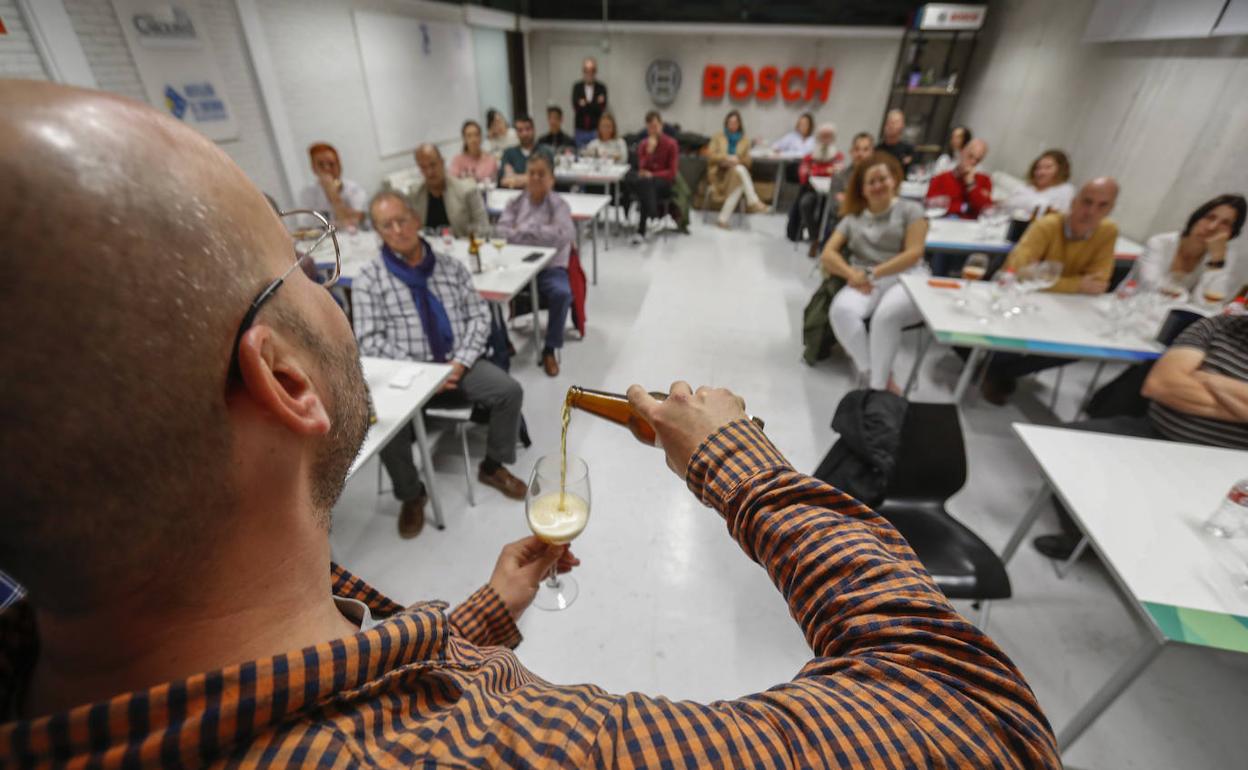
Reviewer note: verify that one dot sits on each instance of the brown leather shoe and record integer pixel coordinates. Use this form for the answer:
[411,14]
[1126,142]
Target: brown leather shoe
[996,390]
[550,364]
[502,480]
[412,517]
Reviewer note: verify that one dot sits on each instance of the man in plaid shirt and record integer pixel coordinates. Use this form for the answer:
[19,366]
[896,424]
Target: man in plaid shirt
[182,609]
[414,304]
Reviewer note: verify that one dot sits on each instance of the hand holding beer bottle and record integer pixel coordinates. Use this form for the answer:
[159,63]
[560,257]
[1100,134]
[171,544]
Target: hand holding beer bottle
[686,418]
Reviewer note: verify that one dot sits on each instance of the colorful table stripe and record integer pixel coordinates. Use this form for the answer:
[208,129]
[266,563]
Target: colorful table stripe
[1063,349]
[1200,627]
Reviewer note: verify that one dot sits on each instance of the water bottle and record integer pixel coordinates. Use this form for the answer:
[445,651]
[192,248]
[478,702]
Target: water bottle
[1231,518]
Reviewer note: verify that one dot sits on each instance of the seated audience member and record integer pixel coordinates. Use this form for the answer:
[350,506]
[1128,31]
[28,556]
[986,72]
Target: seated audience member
[515,159]
[969,191]
[413,304]
[1048,186]
[1083,241]
[1199,395]
[183,609]
[589,103]
[801,140]
[441,201]
[884,235]
[555,139]
[823,160]
[474,162]
[891,141]
[1183,258]
[728,169]
[658,159]
[948,159]
[499,136]
[340,200]
[607,144]
[540,217]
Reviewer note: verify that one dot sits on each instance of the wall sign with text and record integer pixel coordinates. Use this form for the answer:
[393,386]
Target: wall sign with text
[176,64]
[794,84]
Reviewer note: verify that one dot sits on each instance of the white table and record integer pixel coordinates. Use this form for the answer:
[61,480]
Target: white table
[504,276]
[586,208]
[1064,325]
[399,389]
[913,190]
[1141,511]
[610,175]
[781,161]
[958,236]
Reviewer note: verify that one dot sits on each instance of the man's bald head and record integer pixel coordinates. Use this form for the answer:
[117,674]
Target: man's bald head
[1094,201]
[972,155]
[132,247]
[429,161]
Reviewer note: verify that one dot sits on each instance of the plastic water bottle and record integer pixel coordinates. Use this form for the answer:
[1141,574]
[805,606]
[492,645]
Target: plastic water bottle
[1231,518]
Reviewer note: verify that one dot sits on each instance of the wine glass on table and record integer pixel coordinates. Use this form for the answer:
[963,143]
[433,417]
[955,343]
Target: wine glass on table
[499,241]
[1037,276]
[936,206]
[973,269]
[556,506]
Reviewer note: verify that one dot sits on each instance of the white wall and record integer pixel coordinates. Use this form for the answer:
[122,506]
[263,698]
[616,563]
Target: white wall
[1168,119]
[100,35]
[321,80]
[18,57]
[493,83]
[863,67]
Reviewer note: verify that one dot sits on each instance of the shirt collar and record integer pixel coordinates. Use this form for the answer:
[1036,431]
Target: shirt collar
[1070,234]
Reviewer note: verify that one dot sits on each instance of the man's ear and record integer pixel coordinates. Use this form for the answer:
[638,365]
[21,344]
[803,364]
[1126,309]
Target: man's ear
[278,382]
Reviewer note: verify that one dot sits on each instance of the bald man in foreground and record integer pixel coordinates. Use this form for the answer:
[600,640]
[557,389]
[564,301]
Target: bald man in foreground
[172,460]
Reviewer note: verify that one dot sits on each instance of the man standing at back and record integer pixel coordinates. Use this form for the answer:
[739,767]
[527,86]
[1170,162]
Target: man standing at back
[441,201]
[172,527]
[589,101]
[1083,243]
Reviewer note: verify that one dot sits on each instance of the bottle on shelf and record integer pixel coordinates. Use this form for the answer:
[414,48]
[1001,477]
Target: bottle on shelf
[616,408]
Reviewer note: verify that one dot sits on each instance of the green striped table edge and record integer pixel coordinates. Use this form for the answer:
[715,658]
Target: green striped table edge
[1040,346]
[1201,627]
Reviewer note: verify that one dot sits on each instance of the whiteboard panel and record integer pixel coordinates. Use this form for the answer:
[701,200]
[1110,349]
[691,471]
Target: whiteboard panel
[420,75]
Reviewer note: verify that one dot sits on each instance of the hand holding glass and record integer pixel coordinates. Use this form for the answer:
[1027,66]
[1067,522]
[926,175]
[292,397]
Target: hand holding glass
[557,514]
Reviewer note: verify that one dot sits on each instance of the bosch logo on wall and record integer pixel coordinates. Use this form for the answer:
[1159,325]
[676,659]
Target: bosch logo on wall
[795,84]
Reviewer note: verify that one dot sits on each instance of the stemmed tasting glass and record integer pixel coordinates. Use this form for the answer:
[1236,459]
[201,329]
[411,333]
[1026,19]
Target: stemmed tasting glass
[498,240]
[973,269]
[557,513]
[1037,276]
[936,206]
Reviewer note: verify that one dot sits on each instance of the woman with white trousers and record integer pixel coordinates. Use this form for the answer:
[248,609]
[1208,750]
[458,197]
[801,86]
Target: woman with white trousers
[884,236]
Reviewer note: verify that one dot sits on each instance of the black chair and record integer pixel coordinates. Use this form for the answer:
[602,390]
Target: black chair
[931,468]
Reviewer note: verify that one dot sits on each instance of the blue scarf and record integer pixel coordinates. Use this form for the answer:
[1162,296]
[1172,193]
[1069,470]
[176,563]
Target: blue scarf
[433,318]
[733,138]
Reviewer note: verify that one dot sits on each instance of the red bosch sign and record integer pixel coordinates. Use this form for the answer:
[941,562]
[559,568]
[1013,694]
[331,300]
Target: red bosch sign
[795,84]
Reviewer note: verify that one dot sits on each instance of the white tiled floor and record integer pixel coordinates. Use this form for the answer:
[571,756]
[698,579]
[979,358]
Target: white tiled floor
[668,603]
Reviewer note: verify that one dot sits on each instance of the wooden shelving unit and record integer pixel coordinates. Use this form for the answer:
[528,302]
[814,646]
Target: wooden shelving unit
[936,56]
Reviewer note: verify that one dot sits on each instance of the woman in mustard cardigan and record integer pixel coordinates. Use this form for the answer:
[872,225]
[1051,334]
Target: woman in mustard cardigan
[728,169]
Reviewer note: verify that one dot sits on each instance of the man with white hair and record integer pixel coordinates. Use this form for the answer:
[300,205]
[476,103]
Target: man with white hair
[824,160]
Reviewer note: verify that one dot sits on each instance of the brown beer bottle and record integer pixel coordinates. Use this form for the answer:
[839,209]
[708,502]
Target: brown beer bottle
[616,408]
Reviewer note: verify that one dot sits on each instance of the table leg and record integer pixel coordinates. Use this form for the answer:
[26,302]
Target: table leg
[968,372]
[537,320]
[828,202]
[426,460]
[775,197]
[1108,693]
[1027,522]
[593,236]
[1063,567]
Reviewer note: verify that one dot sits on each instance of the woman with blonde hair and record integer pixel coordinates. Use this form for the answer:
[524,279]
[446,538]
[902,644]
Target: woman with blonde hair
[728,169]
[1048,186]
[884,235]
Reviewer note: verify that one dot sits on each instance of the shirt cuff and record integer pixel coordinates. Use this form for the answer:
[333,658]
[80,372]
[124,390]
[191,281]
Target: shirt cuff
[728,458]
[483,620]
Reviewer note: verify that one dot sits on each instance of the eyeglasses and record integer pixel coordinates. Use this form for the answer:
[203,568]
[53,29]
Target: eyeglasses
[304,258]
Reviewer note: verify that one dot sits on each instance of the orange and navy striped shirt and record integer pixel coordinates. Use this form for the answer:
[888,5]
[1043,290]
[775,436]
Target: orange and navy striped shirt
[897,679]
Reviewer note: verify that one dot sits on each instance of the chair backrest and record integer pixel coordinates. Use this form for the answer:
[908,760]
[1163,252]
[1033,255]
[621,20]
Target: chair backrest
[931,463]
